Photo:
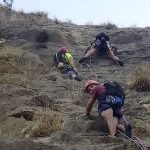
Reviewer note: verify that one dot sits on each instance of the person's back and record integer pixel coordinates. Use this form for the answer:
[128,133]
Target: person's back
[101,43]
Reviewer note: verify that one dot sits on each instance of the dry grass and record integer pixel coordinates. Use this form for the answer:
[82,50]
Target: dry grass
[140,80]
[141,127]
[46,124]
[109,25]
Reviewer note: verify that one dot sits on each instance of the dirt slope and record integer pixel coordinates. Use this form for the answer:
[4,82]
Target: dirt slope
[31,87]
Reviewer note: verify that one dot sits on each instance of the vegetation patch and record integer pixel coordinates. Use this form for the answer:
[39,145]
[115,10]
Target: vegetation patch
[46,124]
[110,26]
[141,127]
[140,80]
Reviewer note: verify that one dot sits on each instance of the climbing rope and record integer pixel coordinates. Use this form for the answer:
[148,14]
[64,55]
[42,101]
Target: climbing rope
[91,69]
[136,140]
[92,72]
[143,145]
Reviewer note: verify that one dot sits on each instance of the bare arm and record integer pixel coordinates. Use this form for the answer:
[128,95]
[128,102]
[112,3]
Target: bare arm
[89,106]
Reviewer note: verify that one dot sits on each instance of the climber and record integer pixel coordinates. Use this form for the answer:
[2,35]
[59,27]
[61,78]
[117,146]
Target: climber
[101,46]
[63,60]
[110,98]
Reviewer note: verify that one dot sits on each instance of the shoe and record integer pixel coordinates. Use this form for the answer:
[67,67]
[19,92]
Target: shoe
[120,63]
[128,131]
[112,136]
[82,60]
[78,78]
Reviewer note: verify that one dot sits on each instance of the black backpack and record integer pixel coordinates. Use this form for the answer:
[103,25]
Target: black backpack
[101,36]
[114,89]
[59,57]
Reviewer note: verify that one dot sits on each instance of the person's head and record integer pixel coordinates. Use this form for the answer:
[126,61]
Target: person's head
[103,34]
[90,85]
[63,50]
[100,35]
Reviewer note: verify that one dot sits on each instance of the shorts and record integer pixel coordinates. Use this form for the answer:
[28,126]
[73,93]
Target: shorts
[69,72]
[116,111]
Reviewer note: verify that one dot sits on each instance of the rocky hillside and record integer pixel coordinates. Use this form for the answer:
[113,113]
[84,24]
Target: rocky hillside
[40,109]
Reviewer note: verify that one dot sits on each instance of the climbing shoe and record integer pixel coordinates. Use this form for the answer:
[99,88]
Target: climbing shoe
[120,63]
[78,78]
[128,131]
[112,136]
[82,60]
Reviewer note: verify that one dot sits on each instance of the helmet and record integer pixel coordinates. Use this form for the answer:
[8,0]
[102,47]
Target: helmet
[88,83]
[63,50]
[100,35]
[103,34]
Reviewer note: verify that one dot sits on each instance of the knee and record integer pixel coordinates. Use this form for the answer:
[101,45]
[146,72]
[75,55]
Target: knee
[71,74]
[107,114]
[92,51]
[121,127]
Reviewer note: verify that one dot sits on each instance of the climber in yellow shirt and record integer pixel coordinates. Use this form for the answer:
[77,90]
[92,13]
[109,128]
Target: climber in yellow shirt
[64,61]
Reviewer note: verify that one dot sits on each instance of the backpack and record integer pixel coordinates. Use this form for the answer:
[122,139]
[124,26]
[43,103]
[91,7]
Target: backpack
[101,36]
[113,90]
[59,57]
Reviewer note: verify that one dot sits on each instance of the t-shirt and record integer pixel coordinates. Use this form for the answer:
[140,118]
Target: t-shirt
[68,56]
[98,91]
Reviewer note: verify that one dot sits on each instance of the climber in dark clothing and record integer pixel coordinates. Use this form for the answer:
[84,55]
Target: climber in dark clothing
[101,45]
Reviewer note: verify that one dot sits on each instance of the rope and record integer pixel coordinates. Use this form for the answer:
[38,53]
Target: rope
[133,133]
[137,141]
[89,66]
